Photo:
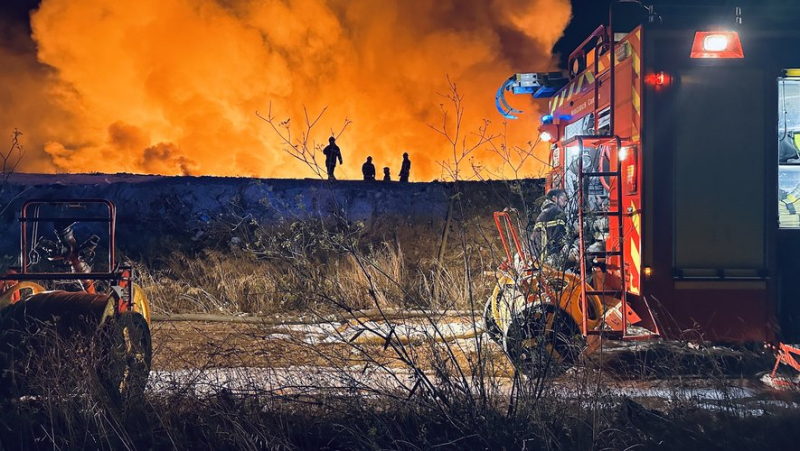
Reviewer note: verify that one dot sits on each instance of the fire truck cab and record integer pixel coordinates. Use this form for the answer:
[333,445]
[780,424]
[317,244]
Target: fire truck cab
[676,138]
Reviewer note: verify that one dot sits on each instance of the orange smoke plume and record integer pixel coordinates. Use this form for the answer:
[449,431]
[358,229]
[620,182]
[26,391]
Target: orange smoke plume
[171,87]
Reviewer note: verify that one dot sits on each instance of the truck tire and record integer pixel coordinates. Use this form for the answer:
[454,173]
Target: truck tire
[543,341]
[490,325]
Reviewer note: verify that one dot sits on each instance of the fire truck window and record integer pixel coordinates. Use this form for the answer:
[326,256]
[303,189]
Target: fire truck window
[595,194]
[789,196]
[789,106]
[789,152]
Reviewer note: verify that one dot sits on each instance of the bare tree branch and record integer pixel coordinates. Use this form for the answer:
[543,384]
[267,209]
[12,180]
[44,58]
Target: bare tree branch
[513,158]
[11,159]
[452,131]
[304,148]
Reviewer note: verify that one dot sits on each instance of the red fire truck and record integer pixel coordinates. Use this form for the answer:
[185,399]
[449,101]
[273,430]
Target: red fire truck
[675,135]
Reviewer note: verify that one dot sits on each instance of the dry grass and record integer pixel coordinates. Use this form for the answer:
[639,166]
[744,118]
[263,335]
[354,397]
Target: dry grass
[214,282]
[71,411]
[220,282]
[453,397]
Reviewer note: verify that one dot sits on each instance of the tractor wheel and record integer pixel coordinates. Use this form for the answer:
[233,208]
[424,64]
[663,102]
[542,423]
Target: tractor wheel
[127,355]
[543,341]
[490,325]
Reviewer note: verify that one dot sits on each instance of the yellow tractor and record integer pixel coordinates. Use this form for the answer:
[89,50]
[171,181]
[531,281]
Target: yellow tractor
[56,293]
[536,313]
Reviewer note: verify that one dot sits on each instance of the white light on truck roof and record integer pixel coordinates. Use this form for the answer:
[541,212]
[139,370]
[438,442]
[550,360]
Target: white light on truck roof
[715,43]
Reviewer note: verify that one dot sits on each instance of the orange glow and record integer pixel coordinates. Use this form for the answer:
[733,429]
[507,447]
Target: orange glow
[171,87]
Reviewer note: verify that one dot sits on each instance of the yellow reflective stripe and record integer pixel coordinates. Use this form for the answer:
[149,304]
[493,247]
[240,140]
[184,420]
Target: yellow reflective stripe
[548,224]
[601,65]
[635,258]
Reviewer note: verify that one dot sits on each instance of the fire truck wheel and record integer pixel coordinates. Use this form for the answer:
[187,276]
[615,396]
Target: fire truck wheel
[489,324]
[543,341]
[128,353]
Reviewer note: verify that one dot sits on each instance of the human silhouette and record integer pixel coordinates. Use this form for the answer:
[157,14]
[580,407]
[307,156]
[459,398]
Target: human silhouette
[368,169]
[550,230]
[405,169]
[386,176]
[332,153]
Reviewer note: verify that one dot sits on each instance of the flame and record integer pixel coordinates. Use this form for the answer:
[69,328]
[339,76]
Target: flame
[171,87]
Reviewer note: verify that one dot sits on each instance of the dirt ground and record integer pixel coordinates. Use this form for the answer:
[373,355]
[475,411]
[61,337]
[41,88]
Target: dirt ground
[195,344]
[658,372]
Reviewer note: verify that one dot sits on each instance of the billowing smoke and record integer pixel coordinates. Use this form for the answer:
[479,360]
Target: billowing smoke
[171,87]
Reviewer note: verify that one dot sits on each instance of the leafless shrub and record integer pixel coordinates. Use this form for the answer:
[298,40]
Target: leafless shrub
[11,159]
[303,148]
[451,129]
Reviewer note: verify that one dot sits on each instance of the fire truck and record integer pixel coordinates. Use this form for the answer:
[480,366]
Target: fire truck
[675,135]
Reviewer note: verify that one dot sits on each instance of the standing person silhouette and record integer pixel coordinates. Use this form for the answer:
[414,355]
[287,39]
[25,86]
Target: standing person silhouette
[405,169]
[386,176]
[550,230]
[332,153]
[368,169]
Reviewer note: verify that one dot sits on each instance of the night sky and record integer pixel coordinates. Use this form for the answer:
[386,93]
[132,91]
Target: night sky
[587,15]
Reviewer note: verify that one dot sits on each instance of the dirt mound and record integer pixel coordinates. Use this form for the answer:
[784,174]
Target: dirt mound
[152,210]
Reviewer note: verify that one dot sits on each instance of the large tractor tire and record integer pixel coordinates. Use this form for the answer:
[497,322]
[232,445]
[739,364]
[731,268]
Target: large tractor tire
[490,326]
[54,337]
[506,298]
[543,341]
[127,355]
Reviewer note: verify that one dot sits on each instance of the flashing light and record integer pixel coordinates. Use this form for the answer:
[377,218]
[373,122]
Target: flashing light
[548,132]
[623,154]
[565,117]
[648,271]
[547,119]
[658,79]
[717,44]
[630,179]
